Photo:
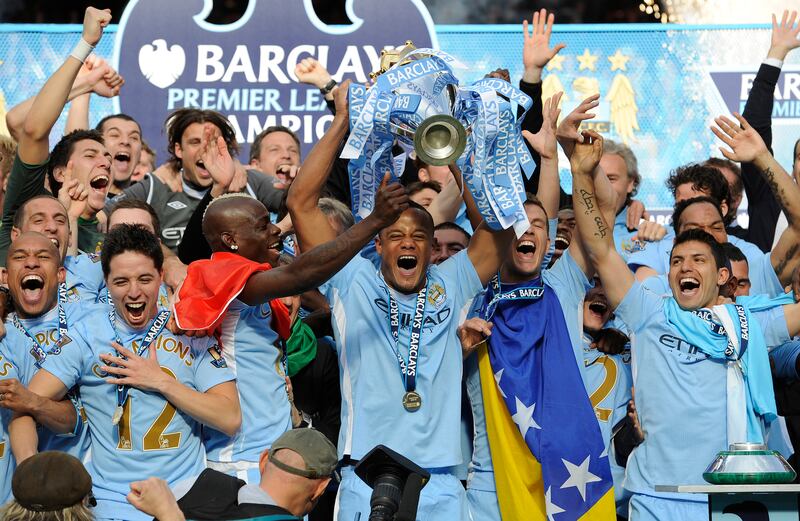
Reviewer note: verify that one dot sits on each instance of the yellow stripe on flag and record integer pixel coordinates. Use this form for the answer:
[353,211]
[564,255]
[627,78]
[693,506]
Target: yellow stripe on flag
[603,510]
[517,474]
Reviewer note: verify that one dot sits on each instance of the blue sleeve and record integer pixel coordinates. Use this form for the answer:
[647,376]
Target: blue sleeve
[210,368]
[552,227]
[344,277]
[71,361]
[763,279]
[649,256]
[658,284]
[773,324]
[459,274]
[638,306]
[568,280]
[784,357]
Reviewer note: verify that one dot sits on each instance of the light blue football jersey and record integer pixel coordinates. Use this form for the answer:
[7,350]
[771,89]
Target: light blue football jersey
[153,438]
[18,347]
[249,347]
[570,284]
[608,382]
[681,396]
[371,382]
[83,284]
[7,462]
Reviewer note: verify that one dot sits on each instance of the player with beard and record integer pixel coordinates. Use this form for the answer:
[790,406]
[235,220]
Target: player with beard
[185,130]
[239,286]
[83,150]
[400,320]
[40,324]
[682,354]
[134,378]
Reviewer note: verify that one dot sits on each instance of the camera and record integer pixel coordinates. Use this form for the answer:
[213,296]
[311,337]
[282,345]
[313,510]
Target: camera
[396,484]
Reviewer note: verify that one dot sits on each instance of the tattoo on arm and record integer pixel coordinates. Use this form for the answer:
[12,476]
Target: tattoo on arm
[783,262]
[780,194]
[587,198]
[601,227]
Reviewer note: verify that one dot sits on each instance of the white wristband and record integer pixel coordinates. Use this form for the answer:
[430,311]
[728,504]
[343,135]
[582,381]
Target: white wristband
[82,50]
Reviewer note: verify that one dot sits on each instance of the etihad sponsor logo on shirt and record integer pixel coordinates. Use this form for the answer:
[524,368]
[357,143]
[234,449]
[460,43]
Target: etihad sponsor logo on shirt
[170,344]
[431,319]
[64,340]
[682,347]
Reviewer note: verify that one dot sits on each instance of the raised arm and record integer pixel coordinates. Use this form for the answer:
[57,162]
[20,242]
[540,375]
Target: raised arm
[595,233]
[311,226]
[544,143]
[34,145]
[317,265]
[44,404]
[747,146]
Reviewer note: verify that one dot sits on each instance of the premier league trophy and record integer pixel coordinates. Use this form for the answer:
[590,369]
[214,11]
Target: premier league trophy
[415,104]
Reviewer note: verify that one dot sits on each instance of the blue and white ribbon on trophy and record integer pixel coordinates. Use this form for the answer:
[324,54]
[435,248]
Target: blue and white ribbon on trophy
[491,110]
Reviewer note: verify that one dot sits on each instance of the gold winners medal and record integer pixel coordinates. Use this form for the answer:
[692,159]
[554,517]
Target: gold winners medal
[412,401]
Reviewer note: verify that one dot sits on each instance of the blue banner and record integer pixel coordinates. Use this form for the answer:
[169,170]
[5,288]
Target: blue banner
[660,85]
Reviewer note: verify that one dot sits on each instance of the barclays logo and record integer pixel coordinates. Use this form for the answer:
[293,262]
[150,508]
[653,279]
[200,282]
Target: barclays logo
[161,65]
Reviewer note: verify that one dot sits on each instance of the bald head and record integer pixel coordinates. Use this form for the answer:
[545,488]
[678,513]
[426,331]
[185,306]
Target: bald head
[227,215]
[28,240]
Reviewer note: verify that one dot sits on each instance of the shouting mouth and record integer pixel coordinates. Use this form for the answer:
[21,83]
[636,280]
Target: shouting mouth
[407,265]
[689,286]
[32,287]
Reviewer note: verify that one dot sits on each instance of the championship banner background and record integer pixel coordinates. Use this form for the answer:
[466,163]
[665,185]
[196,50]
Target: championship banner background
[660,85]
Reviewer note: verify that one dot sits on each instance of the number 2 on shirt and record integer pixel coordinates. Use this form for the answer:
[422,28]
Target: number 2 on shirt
[605,388]
[155,438]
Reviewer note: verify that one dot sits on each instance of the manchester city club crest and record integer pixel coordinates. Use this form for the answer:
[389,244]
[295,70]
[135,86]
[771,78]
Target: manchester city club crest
[436,295]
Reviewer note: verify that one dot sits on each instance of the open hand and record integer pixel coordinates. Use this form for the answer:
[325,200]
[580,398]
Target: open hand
[536,50]
[472,332]
[784,35]
[137,371]
[544,141]
[745,143]
[216,158]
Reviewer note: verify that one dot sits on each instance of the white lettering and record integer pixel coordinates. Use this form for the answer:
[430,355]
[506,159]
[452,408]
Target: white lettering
[209,56]
[351,63]
[271,57]
[747,84]
[293,58]
[240,63]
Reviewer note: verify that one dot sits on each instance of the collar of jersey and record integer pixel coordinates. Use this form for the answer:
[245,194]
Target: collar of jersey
[51,315]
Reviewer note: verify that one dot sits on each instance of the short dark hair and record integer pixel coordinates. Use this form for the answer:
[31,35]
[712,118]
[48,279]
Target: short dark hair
[255,147]
[698,235]
[137,204]
[59,156]
[427,218]
[447,225]
[703,178]
[719,163]
[177,123]
[124,117]
[19,215]
[733,253]
[531,199]
[683,205]
[130,237]
[418,186]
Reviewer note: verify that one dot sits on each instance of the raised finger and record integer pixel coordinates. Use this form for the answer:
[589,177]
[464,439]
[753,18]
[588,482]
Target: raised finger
[743,122]
[722,136]
[123,350]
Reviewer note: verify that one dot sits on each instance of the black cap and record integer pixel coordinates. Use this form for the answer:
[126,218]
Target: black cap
[50,481]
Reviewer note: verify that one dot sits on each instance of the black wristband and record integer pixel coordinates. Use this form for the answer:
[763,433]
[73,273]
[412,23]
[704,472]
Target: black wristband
[328,87]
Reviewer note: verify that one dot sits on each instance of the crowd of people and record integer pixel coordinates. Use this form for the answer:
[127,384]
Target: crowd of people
[194,337]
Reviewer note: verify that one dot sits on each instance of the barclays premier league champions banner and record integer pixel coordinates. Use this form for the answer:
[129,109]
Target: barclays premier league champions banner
[660,85]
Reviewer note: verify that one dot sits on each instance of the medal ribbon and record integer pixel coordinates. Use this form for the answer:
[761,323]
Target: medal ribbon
[37,350]
[156,327]
[407,370]
[534,292]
